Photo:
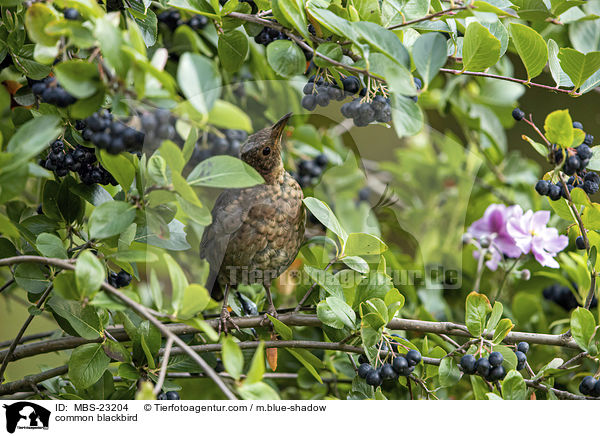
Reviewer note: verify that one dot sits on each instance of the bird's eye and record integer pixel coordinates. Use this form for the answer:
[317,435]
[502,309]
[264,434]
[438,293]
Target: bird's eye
[267,151]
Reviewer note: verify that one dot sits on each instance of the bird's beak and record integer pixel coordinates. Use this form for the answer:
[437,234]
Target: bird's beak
[278,128]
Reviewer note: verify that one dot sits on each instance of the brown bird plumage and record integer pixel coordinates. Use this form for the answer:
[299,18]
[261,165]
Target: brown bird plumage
[256,232]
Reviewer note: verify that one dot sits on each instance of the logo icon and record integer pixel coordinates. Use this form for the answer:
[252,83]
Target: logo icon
[26,415]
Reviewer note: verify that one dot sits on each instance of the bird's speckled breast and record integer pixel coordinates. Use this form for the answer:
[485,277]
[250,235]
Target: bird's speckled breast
[271,234]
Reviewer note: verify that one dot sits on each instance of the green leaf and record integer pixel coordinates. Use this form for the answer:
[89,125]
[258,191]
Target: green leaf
[286,58]
[257,367]
[179,283]
[38,15]
[195,299]
[233,359]
[383,41]
[514,387]
[558,128]
[531,48]
[578,66]
[290,13]
[31,277]
[78,77]
[84,320]
[559,76]
[224,172]
[540,148]
[229,116]
[363,244]
[308,360]
[495,316]
[429,55]
[116,351]
[120,167]
[449,372]
[111,42]
[199,80]
[323,213]
[233,49]
[477,308]
[30,139]
[65,286]
[502,330]
[343,312]
[89,274]
[583,325]
[330,50]
[258,391]
[327,316]
[481,49]
[50,245]
[326,280]
[284,331]
[110,219]
[87,364]
[356,263]
[407,116]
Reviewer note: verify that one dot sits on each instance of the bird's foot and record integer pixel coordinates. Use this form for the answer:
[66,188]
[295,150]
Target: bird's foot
[225,321]
[270,311]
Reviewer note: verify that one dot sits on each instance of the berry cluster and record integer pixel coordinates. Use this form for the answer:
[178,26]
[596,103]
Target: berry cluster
[172,19]
[120,279]
[590,386]
[267,35]
[563,296]
[320,92]
[402,365]
[71,14]
[49,91]
[225,142]
[171,395]
[81,160]
[158,126]
[574,161]
[309,170]
[490,367]
[110,135]
[364,112]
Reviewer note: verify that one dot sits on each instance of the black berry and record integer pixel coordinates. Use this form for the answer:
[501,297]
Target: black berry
[467,364]
[580,243]
[518,114]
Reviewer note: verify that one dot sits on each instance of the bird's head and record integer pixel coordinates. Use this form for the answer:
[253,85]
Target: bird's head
[262,150]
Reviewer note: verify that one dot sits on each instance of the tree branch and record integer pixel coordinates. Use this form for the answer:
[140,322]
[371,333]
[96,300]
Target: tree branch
[140,309]
[295,320]
[31,380]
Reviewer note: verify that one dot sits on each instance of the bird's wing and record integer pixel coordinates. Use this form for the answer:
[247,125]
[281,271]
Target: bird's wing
[228,215]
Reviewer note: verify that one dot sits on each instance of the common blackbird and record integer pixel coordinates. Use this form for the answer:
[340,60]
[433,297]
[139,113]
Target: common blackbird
[256,232]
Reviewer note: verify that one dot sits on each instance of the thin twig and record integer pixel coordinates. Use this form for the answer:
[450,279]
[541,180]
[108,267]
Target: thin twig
[163,367]
[508,79]
[451,11]
[7,285]
[22,332]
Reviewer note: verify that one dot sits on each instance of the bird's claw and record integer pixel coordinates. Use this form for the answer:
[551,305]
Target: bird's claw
[224,320]
[270,311]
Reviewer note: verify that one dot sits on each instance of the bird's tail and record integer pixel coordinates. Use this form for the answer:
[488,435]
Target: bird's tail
[212,284]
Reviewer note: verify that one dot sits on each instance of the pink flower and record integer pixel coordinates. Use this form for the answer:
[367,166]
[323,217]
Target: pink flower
[491,229]
[530,234]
